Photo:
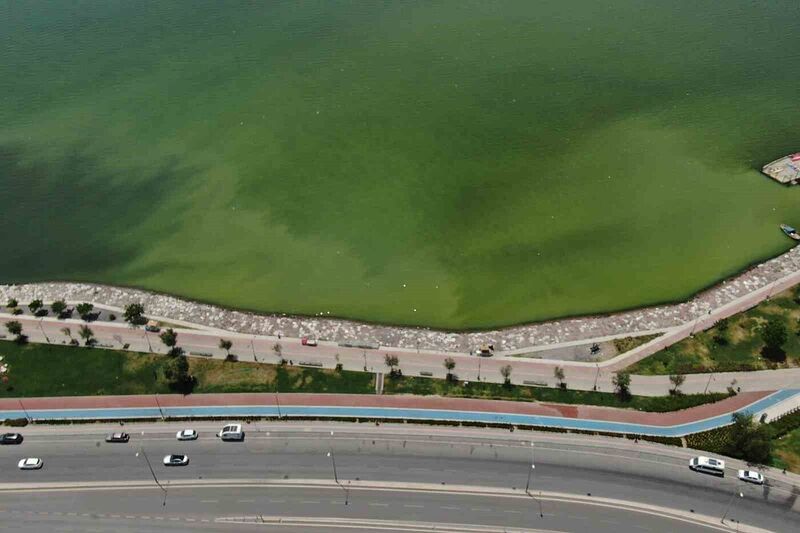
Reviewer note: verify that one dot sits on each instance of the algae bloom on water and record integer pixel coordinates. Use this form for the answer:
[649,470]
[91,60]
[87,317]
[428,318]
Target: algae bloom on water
[456,164]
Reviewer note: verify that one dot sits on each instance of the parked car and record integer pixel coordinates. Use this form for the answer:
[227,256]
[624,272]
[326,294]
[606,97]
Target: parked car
[30,463]
[186,434]
[152,326]
[751,477]
[176,460]
[306,341]
[231,432]
[10,438]
[118,437]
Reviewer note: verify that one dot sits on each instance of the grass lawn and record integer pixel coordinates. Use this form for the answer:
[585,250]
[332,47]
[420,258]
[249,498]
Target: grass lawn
[786,451]
[498,391]
[733,345]
[50,370]
[58,370]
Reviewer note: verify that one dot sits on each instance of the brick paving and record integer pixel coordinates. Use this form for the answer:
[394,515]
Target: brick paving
[608,414]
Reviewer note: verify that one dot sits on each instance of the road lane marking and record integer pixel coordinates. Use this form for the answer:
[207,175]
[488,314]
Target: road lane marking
[413,506]
[246,501]
[374,504]
[209,501]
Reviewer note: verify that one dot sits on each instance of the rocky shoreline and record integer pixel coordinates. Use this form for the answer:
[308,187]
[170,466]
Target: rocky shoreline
[512,338]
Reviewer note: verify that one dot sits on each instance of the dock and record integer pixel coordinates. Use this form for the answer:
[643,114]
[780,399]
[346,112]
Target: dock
[785,170]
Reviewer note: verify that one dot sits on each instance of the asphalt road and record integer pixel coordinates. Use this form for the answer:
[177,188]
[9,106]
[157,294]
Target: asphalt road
[279,455]
[204,509]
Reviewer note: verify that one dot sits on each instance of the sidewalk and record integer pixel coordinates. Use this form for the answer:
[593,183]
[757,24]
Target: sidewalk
[534,372]
[231,406]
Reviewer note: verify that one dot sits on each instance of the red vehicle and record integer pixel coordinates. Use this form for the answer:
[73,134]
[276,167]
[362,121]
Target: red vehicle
[305,341]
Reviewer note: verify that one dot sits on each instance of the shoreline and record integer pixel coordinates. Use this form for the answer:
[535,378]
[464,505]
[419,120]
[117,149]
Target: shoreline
[631,322]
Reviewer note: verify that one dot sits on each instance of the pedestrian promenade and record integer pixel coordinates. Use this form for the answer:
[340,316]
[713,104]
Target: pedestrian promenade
[232,406]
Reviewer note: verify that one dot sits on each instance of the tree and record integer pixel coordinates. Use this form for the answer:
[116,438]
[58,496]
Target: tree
[170,339]
[14,327]
[84,310]
[226,345]
[558,373]
[748,440]
[86,334]
[505,371]
[392,361]
[622,385]
[449,365]
[67,332]
[278,349]
[177,373]
[134,314]
[58,307]
[12,303]
[774,335]
[677,380]
[35,305]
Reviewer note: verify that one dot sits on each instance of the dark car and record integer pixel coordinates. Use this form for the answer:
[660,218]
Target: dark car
[118,437]
[10,438]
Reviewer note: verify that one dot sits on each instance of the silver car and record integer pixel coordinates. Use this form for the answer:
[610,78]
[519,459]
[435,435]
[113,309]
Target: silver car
[176,460]
[30,463]
[751,477]
[186,434]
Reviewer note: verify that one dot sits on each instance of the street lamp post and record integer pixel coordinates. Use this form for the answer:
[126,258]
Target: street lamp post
[159,407]
[728,508]
[530,471]
[597,375]
[479,368]
[365,361]
[27,416]
[528,483]
[335,475]
[253,347]
[43,333]
[278,404]
[153,473]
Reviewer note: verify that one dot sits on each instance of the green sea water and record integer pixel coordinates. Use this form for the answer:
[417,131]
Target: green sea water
[455,163]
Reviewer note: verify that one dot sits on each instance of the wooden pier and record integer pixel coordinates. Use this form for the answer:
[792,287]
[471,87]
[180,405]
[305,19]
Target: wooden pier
[785,170]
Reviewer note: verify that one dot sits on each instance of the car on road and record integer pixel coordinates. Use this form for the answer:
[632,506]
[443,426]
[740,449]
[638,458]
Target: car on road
[10,438]
[708,465]
[751,477]
[118,437]
[186,434]
[307,341]
[176,460]
[30,463]
[231,432]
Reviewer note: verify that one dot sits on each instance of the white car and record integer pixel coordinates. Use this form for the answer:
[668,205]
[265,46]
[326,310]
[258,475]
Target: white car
[231,432]
[31,463]
[186,434]
[176,460]
[751,477]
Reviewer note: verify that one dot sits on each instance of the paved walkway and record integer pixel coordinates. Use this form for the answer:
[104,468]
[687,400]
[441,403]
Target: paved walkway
[231,406]
[259,348]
